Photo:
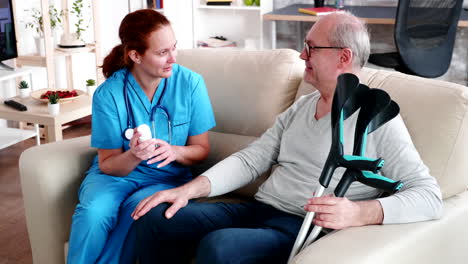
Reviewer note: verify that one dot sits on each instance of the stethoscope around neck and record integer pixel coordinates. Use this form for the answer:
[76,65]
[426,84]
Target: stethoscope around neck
[128,133]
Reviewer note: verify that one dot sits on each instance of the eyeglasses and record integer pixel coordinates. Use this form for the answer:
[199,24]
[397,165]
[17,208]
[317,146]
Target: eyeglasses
[309,48]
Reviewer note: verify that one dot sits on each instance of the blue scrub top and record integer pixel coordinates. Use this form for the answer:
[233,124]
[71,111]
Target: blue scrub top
[187,103]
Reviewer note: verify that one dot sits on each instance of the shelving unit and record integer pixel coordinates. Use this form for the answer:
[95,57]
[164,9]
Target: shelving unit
[11,136]
[237,22]
[194,20]
[230,7]
[47,61]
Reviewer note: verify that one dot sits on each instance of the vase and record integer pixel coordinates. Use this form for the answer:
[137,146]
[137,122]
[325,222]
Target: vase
[54,109]
[40,45]
[24,93]
[90,90]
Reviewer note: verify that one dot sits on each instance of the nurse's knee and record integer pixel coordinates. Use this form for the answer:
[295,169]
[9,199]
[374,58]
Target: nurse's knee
[101,209]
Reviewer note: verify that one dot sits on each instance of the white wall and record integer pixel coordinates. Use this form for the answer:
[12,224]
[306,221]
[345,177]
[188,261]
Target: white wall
[179,12]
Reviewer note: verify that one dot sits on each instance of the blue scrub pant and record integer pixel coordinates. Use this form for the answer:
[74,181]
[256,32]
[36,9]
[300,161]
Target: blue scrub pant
[218,233]
[102,218]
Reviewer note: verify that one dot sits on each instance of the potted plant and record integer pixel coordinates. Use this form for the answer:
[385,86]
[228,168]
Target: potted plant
[90,86]
[75,39]
[77,9]
[37,24]
[53,105]
[24,89]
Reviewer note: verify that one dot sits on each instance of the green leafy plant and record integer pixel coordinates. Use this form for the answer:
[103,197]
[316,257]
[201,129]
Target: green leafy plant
[77,9]
[54,98]
[37,22]
[23,85]
[90,82]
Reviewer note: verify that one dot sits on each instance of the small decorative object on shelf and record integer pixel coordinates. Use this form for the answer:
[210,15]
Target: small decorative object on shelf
[218,2]
[158,4]
[90,86]
[24,89]
[319,11]
[53,105]
[339,4]
[216,42]
[37,24]
[70,41]
[248,2]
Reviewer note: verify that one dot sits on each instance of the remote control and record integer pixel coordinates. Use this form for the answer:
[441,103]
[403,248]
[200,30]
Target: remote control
[16,105]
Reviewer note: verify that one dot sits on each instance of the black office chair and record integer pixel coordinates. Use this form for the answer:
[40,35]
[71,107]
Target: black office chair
[424,36]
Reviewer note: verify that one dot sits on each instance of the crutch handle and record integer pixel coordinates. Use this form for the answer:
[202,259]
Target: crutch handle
[362,163]
[379,182]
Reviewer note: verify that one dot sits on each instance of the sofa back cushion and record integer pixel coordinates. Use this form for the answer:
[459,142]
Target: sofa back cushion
[435,113]
[248,89]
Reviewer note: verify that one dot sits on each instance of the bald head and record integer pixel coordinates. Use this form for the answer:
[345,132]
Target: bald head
[346,30]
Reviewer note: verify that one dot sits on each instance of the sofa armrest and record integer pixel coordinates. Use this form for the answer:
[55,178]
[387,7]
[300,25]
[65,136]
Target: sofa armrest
[50,177]
[431,242]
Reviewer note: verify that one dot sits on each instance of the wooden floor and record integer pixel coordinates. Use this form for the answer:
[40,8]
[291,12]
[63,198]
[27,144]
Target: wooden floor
[14,242]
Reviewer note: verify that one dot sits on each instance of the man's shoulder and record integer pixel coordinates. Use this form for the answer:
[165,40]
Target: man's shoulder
[306,99]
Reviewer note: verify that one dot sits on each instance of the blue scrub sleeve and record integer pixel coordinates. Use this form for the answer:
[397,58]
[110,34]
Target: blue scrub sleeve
[202,116]
[105,130]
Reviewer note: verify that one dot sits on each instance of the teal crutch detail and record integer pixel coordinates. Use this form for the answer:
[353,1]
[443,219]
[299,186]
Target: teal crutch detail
[381,164]
[353,157]
[371,175]
[341,127]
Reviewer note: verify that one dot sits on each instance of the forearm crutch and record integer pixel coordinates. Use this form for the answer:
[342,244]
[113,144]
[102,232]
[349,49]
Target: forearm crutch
[357,162]
[375,111]
[345,95]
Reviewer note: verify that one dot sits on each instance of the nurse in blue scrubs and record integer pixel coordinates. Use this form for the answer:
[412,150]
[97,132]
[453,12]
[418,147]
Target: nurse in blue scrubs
[144,86]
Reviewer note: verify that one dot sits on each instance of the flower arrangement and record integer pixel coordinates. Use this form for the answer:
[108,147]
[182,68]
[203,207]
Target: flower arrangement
[37,22]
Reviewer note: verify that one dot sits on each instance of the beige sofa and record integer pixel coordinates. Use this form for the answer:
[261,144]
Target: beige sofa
[248,89]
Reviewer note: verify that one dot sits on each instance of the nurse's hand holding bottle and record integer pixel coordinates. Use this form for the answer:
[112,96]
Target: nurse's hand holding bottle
[142,145]
[164,152]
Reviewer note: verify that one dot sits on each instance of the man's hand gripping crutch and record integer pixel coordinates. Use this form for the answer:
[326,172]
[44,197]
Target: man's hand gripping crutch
[376,109]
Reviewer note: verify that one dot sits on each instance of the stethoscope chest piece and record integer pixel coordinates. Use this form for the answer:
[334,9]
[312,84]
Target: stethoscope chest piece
[128,133]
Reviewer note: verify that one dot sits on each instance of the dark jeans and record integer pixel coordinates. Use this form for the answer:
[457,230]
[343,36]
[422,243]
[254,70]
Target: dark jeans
[224,233]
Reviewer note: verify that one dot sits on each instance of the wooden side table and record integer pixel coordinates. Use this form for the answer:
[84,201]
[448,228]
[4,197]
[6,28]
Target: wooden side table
[37,113]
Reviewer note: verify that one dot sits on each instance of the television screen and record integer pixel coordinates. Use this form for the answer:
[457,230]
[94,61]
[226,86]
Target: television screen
[7,31]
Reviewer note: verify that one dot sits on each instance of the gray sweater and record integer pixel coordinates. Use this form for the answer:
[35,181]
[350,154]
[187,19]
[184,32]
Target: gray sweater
[299,144]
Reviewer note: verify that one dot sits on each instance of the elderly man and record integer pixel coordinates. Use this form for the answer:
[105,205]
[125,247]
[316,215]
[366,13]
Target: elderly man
[264,231]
